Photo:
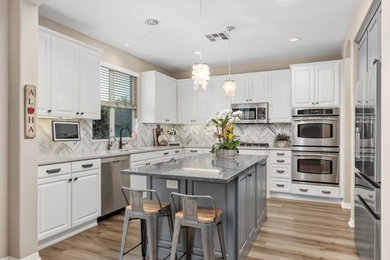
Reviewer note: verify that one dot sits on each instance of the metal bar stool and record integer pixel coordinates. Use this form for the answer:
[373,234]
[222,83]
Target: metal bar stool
[191,217]
[149,212]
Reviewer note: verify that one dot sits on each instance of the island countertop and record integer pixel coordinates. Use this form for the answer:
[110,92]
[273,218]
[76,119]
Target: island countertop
[203,167]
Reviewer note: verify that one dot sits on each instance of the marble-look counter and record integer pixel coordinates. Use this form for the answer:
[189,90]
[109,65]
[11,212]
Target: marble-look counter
[203,167]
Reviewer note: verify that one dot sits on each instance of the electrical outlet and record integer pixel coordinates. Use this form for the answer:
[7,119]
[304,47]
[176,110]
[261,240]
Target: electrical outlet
[172,184]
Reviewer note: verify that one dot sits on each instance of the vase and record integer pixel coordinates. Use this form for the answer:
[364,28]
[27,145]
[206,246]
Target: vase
[229,154]
[282,144]
[172,138]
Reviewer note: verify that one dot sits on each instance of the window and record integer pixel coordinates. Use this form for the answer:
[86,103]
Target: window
[118,97]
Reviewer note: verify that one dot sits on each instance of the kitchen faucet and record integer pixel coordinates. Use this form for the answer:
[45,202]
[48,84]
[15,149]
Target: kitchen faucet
[120,136]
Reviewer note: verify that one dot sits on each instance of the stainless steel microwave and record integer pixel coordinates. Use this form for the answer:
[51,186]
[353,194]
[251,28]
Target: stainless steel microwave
[66,131]
[256,113]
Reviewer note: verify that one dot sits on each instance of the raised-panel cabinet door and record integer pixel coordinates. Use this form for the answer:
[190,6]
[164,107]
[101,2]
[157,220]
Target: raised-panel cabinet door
[202,106]
[374,40]
[86,197]
[280,97]
[162,94]
[44,72]
[54,205]
[242,213]
[185,101]
[64,77]
[258,88]
[218,100]
[242,93]
[302,92]
[251,208]
[362,56]
[171,101]
[328,84]
[89,83]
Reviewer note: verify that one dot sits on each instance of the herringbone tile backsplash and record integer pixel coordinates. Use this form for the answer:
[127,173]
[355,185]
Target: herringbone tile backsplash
[199,134]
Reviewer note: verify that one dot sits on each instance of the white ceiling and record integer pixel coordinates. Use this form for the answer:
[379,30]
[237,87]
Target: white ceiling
[263,28]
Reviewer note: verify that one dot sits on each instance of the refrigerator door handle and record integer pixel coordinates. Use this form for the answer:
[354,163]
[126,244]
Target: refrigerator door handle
[357,143]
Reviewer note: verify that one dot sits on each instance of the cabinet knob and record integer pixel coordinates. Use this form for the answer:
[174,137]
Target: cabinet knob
[75,179]
[317,103]
[49,111]
[312,103]
[77,113]
[82,113]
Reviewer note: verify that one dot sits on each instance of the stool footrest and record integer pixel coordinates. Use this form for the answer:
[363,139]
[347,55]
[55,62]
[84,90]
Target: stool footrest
[134,247]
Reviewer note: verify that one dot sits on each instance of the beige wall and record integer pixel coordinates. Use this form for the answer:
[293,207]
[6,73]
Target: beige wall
[255,67]
[23,64]
[110,54]
[385,129]
[3,128]
[349,54]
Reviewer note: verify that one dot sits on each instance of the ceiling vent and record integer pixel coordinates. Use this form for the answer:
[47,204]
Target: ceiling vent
[221,36]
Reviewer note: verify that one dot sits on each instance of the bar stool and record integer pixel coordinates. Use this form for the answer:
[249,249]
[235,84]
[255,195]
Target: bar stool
[191,217]
[149,212]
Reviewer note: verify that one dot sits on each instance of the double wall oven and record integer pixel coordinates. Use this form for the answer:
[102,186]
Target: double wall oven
[315,145]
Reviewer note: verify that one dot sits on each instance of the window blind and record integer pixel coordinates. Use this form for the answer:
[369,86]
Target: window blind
[117,89]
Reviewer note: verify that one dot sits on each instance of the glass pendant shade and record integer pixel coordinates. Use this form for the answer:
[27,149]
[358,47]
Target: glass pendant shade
[200,75]
[229,88]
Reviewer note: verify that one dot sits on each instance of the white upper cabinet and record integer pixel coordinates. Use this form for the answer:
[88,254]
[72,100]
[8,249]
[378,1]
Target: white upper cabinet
[68,77]
[193,106]
[64,77]
[242,91]
[217,96]
[158,98]
[258,87]
[89,83]
[316,84]
[279,92]
[44,89]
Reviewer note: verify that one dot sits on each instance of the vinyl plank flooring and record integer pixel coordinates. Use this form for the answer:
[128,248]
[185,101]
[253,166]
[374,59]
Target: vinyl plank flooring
[294,230]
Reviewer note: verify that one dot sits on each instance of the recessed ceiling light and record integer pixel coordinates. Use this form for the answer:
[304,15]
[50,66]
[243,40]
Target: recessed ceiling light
[198,53]
[295,39]
[152,22]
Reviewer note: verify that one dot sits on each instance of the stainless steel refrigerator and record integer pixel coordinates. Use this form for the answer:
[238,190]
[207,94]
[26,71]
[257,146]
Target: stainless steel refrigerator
[367,164]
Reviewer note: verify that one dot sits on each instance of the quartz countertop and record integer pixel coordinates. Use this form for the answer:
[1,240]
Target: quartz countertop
[202,167]
[58,158]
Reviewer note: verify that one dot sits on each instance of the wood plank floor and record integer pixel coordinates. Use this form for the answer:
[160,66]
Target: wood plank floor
[293,230]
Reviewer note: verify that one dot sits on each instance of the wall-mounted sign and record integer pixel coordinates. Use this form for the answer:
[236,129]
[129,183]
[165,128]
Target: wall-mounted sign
[30,112]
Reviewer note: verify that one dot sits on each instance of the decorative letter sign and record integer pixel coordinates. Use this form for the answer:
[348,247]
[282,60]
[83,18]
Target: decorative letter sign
[30,118]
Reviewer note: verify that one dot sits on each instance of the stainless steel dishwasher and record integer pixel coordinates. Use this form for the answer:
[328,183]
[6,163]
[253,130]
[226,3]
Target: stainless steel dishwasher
[112,181]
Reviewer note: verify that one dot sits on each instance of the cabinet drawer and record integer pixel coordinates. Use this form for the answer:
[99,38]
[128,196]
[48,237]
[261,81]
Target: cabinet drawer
[280,153]
[316,190]
[54,170]
[86,165]
[280,161]
[253,152]
[196,150]
[280,171]
[280,185]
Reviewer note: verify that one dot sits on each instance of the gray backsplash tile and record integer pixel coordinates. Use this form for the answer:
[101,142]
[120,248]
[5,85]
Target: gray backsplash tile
[200,136]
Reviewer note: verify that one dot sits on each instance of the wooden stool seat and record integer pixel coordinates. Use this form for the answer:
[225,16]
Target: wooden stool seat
[152,206]
[205,215]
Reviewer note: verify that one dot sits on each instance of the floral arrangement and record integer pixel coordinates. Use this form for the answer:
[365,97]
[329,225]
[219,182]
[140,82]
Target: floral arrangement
[224,125]
[173,131]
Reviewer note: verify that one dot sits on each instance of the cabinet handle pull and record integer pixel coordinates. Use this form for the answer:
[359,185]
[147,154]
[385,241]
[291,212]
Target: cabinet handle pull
[250,174]
[280,185]
[49,111]
[280,154]
[303,190]
[325,192]
[193,151]
[177,151]
[317,103]
[69,180]
[53,171]
[280,171]
[166,153]
[263,164]
[77,113]
[280,161]
[312,103]
[87,165]
[75,179]
[82,113]
[148,163]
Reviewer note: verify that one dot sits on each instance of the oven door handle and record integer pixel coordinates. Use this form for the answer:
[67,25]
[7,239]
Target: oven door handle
[315,119]
[316,155]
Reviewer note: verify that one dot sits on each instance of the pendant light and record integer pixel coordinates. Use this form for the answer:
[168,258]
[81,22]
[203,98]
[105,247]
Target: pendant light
[200,71]
[229,86]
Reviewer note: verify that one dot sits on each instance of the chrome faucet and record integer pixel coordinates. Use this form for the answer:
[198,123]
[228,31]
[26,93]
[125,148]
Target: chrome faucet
[110,142]
[120,136]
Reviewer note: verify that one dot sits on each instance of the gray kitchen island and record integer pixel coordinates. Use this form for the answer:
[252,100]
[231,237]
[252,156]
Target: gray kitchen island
[238,187]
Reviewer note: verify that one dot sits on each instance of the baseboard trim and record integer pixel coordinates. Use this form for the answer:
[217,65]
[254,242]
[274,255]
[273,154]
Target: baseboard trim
[345,205]
[34,256]
[305,198]
[351,223]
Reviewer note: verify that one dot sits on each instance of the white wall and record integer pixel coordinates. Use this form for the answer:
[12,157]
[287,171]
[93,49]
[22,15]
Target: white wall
[3,128]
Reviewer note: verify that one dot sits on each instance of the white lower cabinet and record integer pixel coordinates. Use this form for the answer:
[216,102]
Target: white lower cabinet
[67,199]
[280,185]
[54,205]
[86,200]
[316,190]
